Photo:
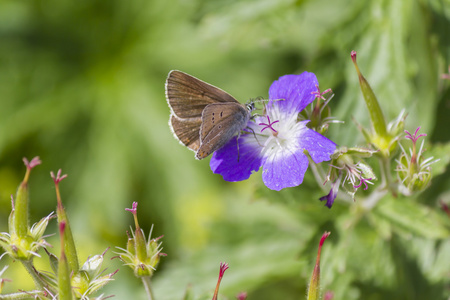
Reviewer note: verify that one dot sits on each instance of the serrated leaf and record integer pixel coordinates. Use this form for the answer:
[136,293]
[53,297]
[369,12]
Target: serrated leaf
[408,216]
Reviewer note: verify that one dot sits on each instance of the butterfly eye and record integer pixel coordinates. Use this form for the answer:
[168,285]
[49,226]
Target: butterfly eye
[250,106]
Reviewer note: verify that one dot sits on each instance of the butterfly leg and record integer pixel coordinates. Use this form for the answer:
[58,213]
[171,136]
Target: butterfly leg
[237,144]
[254,134]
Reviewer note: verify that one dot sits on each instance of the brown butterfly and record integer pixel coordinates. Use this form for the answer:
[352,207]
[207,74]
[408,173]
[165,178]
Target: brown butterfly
[203,117]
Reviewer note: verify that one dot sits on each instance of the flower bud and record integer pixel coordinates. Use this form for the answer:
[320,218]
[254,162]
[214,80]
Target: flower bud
[20,218]
[89,280]
[23,242]
[413,170]
[314,284]
[141,255]
[222,269]
[64,287]
[382,137]
[376,115]
[320,113]
[69,244]
[348,174]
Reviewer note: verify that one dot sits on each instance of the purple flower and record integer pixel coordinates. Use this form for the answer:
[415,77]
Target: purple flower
[277,140]
[332,194]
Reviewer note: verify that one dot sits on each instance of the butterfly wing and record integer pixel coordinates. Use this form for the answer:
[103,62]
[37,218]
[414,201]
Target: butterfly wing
[187,131]
[220,122]
[187,96]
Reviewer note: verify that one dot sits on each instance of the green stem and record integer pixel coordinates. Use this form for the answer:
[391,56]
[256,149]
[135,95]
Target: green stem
[373,198]
[22,295]
[386,185]
[319,174]
[28,264]
[148,287]
[387,182]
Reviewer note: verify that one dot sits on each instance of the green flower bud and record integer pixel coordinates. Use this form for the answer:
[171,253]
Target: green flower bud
[314,283]
[382,137]
[88,280]
[20,221]
[413,170]
[141,255]
[69,244]
[376,115]
[64,282]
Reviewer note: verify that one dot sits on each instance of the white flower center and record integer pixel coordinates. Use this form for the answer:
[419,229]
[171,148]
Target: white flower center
[279,132]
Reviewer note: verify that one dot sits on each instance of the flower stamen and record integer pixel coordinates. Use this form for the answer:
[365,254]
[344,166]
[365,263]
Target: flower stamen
[318,94]
[362,181]
[269,125]
[414,137]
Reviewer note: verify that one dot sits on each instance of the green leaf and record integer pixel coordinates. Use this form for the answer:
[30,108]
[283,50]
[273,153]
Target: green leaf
[408,216]
[441,152]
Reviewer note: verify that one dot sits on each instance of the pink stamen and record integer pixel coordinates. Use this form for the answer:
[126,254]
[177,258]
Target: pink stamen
[158,238]
[414,137]
[58,178]
[133,210]
[353,55]
[362,181]
[269,125]
[33,163]
[318,94]
[323,238]
[223,268]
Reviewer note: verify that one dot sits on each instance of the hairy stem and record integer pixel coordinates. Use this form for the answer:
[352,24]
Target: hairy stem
[28,264]
[22,295]
[319,174]
[148,287]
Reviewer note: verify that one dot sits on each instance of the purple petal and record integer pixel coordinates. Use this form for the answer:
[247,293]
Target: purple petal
[284,169]
[319,147]
[225,160]
[330,198]
[332,194]
[295,90]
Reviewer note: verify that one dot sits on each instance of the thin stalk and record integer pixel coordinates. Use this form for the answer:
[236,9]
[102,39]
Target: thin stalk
[21,295]
[373,198]
[148,287]
[319,174]
[387,182]
[28,264]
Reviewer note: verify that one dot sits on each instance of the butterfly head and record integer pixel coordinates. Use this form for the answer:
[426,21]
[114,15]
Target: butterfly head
[250,106]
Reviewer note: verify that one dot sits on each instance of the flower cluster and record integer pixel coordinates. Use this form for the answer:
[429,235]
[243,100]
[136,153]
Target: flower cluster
[22,242]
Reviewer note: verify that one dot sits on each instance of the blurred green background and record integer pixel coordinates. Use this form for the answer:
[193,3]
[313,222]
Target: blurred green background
[82,86]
